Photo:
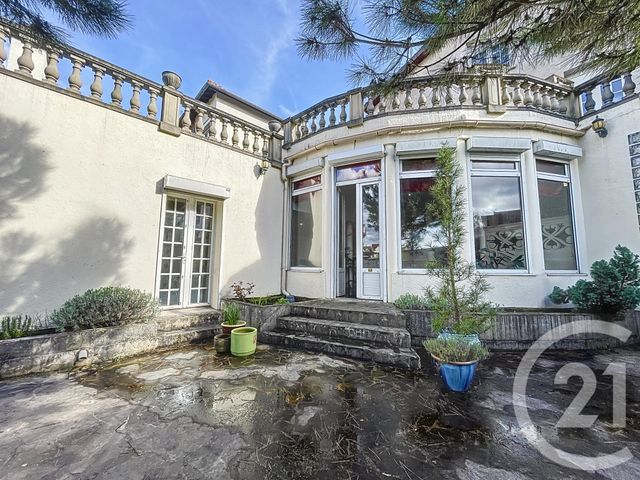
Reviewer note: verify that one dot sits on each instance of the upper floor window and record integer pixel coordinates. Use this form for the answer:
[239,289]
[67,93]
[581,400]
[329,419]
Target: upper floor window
[498,216]
[496,54]
[306,222]
[417,227]
[556,214]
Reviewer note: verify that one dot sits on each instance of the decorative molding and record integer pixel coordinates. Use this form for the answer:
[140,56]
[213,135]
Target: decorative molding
[197,187]
[374,152]
[561,151]
[305,166]
[424,147]
[498,144]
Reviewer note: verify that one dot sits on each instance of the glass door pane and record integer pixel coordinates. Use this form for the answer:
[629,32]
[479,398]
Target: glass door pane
[173,237]
[202,250]
[370,281]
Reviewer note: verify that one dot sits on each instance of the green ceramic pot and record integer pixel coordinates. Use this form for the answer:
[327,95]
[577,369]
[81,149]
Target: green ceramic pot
[243,341]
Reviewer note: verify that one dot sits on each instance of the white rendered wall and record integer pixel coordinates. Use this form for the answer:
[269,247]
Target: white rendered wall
[80,200]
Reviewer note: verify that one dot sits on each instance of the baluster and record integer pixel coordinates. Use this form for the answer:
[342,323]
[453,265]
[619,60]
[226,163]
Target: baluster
[297,131]
[343,110]
[51,72]
[245,139]
[546,101]
[304,128]
[506,98]
[135,103]
[323,122]
[476,98]
[528,99]
[382,105]
[3,52]
[562,103]
[152,108]
[589,102]
[199,127]
[435,97]
[607,94]
[448,97]
[369,107]
[256,142]
[395,104]
[462,98]
[314,127]
[224,134]
[96,87]
[212,134]
[75,80]
[422,98]
[186,118]
[116,94]
[265,146]
[517,94]
[537,100]
[332,115]
[235,139]
[25,61]
[628,87]
[555,105]
[408,101]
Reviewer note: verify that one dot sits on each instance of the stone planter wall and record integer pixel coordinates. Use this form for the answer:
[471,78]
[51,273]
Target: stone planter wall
[262,317]
[519,330]
[59,351]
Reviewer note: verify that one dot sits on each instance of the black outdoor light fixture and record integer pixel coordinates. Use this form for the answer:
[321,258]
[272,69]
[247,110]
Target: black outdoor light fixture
[264,166]
[598,125]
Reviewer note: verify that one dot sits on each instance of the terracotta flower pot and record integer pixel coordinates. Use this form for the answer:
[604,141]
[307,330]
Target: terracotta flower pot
[228,328]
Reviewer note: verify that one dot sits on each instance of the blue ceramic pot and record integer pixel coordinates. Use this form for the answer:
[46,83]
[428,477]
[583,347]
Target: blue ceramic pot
[457,376]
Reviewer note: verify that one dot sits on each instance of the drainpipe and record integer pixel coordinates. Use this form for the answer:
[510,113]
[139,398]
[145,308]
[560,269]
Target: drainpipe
[285,216]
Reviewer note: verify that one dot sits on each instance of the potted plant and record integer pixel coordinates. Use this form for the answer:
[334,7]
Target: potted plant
[457,360]
[231,318]
[243,341]
[459,310]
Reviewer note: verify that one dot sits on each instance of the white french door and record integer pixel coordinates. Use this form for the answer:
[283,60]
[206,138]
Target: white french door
[186,252]
[369,243]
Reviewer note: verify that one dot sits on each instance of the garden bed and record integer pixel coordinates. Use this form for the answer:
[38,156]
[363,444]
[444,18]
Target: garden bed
[518,330]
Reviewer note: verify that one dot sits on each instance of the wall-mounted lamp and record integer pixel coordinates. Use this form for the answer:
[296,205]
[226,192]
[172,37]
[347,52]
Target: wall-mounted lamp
[264,166]
[598,125]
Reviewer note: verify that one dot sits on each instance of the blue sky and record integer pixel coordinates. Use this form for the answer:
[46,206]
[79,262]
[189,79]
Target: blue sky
[247,46]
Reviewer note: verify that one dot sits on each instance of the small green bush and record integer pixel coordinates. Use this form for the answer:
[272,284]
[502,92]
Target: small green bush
[410,301]
[614,288]
[231,314]
[455,350]
[15,326]
[105,307]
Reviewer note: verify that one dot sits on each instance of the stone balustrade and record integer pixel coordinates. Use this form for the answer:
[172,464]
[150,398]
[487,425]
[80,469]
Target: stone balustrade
[597,93]
[174,112]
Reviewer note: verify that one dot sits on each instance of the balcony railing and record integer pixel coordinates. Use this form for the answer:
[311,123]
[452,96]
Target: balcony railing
[492,90]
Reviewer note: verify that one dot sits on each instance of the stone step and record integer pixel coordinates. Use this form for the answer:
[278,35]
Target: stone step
[365,313]
[332,329]
[404,358]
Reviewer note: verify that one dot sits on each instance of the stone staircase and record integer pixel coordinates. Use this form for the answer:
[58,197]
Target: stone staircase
[362,330]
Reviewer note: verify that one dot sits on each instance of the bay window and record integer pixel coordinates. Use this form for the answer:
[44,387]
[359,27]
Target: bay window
[498,216]
[306,222]
[417,227]
[556,212]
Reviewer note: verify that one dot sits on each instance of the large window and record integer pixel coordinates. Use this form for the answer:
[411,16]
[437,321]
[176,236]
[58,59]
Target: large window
[498,218]
[556,212]
[306,223]
[417,227]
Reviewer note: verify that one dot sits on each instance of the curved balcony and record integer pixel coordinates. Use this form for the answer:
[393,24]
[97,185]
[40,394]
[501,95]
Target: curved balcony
[487,98]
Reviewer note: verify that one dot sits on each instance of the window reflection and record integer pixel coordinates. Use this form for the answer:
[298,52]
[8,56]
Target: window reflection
[558,239]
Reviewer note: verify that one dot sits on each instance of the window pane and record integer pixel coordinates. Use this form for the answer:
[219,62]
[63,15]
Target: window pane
[482,165]
[306,230]
[417,226]
[551,167]
[498,223]
[419,164]
[557,225]
[307,182]
[370,226]
[360,170]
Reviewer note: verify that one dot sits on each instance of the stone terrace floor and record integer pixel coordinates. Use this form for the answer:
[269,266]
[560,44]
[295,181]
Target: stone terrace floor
[189,414]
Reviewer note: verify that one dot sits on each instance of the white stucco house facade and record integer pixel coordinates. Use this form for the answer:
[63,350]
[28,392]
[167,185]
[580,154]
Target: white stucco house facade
[109,178]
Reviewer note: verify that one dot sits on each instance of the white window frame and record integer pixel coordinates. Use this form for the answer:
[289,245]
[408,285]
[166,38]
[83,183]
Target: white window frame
[295,193]
[185,293]
[567,177]
[520,173]
[402,175]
